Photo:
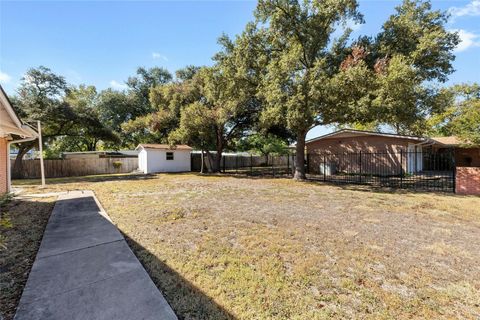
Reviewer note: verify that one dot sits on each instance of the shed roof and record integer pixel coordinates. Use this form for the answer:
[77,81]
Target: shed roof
[163,147]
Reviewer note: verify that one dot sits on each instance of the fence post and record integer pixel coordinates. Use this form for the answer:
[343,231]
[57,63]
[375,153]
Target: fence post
[324,168]
[273,167]
[452,154]
[360,164]
[236,163]
[288,164]
[223,163]
[251,164]
[401,168]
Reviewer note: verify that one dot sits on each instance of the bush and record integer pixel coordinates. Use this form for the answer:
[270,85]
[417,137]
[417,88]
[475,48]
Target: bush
[117,164]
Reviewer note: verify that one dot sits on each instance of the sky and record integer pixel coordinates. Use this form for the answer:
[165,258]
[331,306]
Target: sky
[102,43]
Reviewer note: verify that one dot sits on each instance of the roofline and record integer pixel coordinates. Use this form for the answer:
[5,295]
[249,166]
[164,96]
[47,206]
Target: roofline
[174,148]
[372,133]
[98,151]
[28,131]
[8,106]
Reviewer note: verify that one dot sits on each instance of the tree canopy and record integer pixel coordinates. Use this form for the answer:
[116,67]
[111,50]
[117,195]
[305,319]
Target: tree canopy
[292,68]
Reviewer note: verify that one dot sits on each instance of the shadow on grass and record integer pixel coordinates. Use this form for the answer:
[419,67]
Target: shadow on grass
[187,300]
[341,185]
[22,223]
[95,178]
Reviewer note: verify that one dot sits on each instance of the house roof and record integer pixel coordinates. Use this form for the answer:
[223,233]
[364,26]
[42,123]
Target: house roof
[447,141]
[163,146]
[10,123]
[346,133]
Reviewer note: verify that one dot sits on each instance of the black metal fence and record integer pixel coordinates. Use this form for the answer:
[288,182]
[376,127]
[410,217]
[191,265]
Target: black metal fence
[404,169]
[255,165]
[424,171]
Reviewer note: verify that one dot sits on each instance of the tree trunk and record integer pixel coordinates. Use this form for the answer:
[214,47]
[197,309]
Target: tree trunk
[300,157]
[219,147]
[201,165]
[210,161]
[17,170]
[218,160]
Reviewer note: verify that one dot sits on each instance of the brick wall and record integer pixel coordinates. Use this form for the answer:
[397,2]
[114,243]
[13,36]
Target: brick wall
[467,157]
[359,143]
[389,162]
[3,165]
[467,180]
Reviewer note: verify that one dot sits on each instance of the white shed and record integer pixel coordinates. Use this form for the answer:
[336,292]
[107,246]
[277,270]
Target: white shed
[163,158]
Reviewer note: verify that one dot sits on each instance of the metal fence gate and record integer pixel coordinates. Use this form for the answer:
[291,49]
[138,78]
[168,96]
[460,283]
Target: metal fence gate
[404,169]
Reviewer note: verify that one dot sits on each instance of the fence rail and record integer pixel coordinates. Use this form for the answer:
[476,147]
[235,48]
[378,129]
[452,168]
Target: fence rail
[403,169]
[78,167]
[248,164]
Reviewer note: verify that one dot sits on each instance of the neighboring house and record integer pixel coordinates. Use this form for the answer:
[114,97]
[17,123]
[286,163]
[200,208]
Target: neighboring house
[11,130]
[390,154]
[100,154]
[163,158]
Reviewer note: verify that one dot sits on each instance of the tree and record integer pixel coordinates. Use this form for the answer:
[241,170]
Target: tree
[88,130]
[186,73]
[265,144]
[139,86]
[462,117]
[416,51]
[166,100]
[223,111]
[195,130]
[40,97]
[299,64]
[418,33]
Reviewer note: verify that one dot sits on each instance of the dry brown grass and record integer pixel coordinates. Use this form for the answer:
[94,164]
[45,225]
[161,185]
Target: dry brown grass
[22,223]
[227,247]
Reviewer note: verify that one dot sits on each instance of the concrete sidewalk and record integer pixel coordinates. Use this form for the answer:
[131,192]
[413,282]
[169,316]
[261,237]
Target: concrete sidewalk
[84,269]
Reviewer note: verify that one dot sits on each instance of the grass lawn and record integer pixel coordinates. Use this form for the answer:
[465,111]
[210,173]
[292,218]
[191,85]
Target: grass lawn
[244,248]
[22,223]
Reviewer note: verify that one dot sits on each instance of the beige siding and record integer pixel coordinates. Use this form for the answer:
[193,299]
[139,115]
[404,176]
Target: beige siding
[3,165]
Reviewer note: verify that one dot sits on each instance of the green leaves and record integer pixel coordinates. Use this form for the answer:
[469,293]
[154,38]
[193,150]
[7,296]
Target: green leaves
[462,117]
[418,33]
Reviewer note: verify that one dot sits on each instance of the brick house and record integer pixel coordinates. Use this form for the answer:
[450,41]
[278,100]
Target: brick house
[386,154]
[390,154]
[11,130]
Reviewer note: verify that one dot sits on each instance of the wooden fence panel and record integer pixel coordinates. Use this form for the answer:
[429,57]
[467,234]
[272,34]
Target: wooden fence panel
[78,167]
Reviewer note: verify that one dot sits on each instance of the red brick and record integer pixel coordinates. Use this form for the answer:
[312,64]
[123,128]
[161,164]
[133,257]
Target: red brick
[467,180]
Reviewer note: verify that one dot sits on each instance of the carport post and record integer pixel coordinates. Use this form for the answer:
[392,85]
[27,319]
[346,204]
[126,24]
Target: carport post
[40,149]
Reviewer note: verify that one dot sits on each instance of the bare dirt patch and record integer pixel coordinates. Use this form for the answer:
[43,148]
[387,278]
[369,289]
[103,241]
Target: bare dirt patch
[234,247]
[22,223]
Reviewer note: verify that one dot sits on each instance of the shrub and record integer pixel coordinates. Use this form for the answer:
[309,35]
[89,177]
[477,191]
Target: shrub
[117,164]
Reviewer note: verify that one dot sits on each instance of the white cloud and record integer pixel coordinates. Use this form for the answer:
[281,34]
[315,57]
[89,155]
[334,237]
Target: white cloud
[467,40]
[4,78]
[156,55]
[117,85]
[353,25]
[471,9]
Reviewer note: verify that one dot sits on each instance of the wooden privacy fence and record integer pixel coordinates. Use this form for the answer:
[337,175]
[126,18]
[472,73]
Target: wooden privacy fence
[78,167]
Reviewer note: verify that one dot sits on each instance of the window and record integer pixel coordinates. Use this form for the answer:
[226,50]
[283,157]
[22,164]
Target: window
[169,155]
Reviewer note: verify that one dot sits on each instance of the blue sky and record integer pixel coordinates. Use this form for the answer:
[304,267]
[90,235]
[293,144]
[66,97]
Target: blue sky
[103,42]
